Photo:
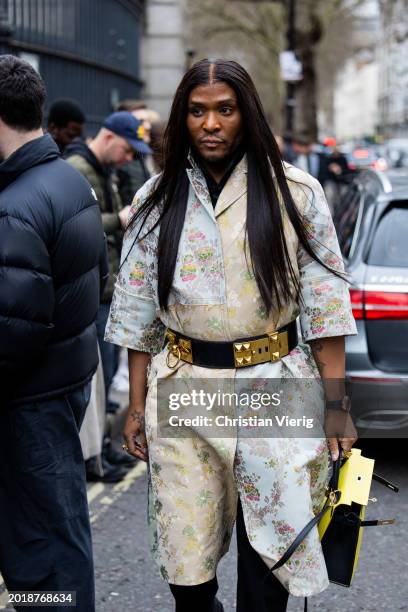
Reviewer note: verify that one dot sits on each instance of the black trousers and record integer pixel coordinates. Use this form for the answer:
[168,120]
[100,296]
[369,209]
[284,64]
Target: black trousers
[45,536]
[257,590]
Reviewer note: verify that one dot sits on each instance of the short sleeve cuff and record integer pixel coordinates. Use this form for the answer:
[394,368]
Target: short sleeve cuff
[133,323]
[330,313]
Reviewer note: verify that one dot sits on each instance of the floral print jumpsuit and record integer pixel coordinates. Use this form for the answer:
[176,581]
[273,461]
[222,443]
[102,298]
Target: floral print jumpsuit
[195,481]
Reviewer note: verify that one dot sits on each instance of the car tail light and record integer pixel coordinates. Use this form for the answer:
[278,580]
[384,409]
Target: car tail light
[382,305]
[361,154]
[379,304]
[356,297]
[380,164]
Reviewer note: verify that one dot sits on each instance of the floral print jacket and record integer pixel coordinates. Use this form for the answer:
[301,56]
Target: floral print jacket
[195,481]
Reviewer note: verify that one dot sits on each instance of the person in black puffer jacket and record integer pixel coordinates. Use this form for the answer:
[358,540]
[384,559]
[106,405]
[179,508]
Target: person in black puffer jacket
[52,260]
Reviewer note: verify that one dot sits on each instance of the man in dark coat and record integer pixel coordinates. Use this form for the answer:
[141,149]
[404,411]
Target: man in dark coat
[304,156]
[52,260]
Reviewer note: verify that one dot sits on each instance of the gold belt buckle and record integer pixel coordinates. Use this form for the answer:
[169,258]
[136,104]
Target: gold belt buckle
[269,348]
[181,350]
[278,345]
[243,354]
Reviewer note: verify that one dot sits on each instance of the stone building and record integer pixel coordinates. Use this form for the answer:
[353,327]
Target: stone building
[355,100]
[163,52]
[393,64]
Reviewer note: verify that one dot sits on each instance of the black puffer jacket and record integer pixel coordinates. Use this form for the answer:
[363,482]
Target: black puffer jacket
[52,259]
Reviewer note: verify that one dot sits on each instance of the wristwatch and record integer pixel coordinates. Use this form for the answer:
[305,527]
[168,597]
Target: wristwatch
[339,404]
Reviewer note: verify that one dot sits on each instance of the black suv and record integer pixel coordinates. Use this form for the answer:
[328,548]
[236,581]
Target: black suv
[372,225]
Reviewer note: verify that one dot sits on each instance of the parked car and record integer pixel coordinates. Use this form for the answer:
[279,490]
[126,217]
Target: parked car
[365,157]
[396,152]
[372,226]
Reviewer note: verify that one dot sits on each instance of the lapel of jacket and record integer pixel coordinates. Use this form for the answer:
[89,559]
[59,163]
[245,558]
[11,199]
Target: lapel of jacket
[199,186]
[234,189]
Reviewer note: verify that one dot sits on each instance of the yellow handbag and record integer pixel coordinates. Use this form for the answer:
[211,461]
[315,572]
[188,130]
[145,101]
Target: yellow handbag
[341,528]
[342,517]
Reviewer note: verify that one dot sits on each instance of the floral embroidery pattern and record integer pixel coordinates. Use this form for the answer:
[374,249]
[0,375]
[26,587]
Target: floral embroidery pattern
[194,480]
[188,269]
[137,275]
[285,531]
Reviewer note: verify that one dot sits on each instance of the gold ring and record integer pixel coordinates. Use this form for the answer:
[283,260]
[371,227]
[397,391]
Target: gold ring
[125,447]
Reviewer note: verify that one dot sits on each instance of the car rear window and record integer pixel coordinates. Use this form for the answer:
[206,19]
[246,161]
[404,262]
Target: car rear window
[390,243]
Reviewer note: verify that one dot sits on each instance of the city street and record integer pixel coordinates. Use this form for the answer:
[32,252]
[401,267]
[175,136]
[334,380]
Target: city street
[127,580]
[208,198]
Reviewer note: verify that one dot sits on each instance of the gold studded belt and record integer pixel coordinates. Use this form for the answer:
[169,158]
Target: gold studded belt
[238,354]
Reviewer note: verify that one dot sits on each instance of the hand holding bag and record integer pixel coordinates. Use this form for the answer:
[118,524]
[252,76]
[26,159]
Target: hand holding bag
[341,519]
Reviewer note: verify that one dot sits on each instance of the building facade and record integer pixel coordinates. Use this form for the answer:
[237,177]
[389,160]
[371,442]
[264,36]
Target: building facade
[393,61]
[356,101]
[163,52]
[86,50]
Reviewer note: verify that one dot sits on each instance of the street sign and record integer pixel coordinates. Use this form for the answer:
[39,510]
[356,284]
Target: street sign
[290,67]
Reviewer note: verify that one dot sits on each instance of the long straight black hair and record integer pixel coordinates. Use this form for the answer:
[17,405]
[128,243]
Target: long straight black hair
[270,261]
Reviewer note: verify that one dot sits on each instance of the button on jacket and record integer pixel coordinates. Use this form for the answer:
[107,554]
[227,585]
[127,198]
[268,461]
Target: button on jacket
[195,480]
[52,257]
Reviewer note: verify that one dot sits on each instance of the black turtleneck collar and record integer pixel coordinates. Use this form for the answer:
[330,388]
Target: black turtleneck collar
[215,188]
[33,153]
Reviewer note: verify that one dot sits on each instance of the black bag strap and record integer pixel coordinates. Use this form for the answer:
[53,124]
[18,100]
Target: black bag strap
[385,482]
[334,480]
[330,501]
[377,522]
[300,537]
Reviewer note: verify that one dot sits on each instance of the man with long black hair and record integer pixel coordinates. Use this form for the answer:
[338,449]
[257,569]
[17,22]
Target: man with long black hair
[226,248]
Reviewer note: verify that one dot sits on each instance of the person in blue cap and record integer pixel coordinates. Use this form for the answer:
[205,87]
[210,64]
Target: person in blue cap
[117,142]
[133,175]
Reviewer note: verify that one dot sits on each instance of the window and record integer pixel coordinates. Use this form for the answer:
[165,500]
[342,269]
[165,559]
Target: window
[346,219]
[389,246]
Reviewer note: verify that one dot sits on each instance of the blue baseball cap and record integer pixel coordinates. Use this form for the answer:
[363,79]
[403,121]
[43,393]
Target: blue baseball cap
[126,125]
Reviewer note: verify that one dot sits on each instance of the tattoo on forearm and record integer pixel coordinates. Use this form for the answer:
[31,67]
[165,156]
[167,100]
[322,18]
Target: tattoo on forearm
[317,348]
[139,418]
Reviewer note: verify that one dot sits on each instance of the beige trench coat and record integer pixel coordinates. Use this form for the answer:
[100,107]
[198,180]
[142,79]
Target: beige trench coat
[195,481]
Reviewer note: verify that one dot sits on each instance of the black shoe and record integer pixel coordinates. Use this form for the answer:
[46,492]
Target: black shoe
[103,471]
[116,457]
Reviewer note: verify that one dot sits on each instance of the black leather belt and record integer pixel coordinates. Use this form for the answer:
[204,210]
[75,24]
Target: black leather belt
[240,353]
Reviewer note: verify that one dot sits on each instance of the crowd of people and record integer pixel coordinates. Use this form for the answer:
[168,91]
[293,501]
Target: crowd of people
[61,230]
[323,160]
[121,157]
